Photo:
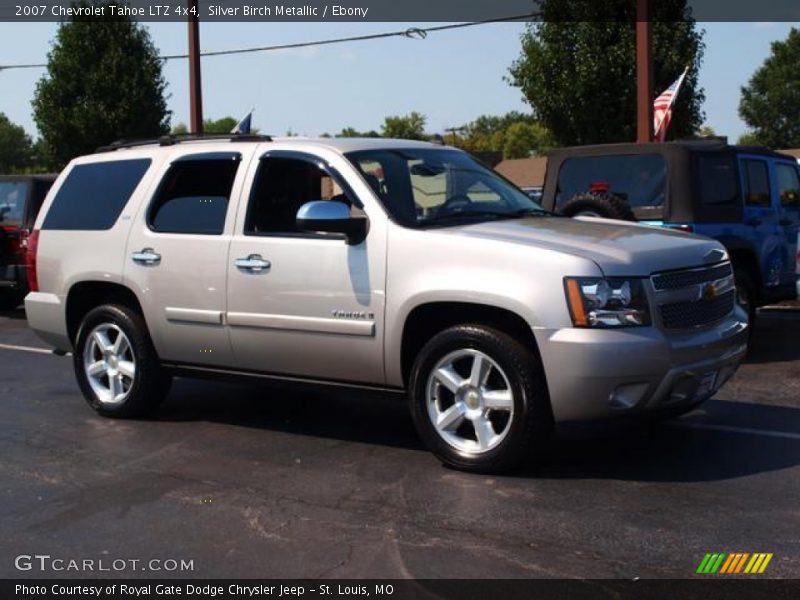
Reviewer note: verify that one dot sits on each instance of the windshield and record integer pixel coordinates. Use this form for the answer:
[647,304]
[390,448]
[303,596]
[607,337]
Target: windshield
[12,201]
[434,186]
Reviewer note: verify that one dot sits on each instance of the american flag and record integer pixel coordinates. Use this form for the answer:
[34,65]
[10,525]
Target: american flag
[662,108]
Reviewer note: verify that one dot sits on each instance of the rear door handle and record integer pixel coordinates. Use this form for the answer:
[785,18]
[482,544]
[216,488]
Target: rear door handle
[146,256]
[253,263]
[754,222]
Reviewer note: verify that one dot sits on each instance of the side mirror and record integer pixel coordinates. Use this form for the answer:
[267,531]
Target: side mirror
[329,216]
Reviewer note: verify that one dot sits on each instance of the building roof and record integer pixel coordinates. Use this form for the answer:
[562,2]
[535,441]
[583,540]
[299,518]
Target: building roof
[524,172]
[792,151]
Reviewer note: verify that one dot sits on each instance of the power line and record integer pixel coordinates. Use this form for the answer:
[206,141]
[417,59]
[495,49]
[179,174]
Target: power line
[412,33]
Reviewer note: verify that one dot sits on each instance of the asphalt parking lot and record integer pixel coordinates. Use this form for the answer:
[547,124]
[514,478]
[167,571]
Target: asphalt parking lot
[258,481]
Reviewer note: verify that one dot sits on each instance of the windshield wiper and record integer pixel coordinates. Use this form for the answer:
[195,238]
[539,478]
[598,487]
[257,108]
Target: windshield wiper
[463,215]
[532,212]
[490,215]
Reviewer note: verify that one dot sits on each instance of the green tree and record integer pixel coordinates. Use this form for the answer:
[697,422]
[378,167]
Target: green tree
[16,149]
[523,139]
[104,82]
[577,68]
[706,131]
[409,127]
[749,138]
[770,103]
[514,134]
[212,126]
[351,132]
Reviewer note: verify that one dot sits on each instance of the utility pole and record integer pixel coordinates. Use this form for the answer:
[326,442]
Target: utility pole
[644,72]
[195,84]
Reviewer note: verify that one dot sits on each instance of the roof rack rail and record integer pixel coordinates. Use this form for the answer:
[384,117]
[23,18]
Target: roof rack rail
[171,140]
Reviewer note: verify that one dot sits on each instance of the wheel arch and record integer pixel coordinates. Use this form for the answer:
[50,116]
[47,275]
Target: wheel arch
[86,295]
[427,319]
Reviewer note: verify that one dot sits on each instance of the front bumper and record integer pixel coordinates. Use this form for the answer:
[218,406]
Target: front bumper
[601,373]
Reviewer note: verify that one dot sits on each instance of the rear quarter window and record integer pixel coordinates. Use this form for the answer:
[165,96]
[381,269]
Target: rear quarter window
[93,195]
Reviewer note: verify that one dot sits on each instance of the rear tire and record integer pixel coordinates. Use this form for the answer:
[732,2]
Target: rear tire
[116,364]
[598,204]
[485,418]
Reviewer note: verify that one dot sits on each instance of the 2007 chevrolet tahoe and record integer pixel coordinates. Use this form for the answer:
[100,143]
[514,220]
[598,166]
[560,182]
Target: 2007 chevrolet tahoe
[398,265]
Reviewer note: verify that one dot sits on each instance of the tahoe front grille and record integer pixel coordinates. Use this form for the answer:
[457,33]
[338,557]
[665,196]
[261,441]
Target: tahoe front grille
[695,297]
[679,279]
[683,315]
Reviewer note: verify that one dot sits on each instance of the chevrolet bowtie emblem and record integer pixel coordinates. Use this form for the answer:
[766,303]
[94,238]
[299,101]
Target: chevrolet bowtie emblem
[709,291]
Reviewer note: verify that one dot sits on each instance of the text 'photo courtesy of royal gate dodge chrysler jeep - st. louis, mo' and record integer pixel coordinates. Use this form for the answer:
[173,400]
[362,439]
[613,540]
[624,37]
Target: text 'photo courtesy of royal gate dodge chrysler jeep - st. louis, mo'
[402,266]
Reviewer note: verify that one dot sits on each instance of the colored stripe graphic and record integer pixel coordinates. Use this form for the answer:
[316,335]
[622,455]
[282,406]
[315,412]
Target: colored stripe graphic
[767,558]
[728,563]
[703,563]
[741,562]
[734,563]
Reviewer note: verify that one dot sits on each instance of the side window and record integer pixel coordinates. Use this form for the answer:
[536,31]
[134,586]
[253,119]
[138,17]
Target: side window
[93,195]
[756,183]
[788,184]
[12,202]
[716,180]
[281,187]
[194,196]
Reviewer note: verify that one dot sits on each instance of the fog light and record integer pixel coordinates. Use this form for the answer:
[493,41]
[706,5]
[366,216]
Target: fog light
[627,396]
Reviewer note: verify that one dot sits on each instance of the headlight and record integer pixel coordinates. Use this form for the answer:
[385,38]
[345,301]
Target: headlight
[599,302]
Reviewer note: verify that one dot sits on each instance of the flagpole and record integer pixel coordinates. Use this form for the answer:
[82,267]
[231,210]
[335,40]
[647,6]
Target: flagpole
[195,84]
[644,73]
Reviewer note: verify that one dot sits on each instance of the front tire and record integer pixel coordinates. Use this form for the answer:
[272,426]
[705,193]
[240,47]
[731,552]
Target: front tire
[479,399]
[116,364]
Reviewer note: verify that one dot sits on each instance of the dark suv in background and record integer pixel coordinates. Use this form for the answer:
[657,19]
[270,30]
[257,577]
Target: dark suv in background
[21,196]
[747,197]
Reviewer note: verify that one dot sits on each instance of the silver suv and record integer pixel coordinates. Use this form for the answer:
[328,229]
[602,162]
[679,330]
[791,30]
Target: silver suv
[394,265]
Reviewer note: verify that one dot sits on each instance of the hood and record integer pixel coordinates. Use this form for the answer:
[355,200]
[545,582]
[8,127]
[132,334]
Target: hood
[618,248]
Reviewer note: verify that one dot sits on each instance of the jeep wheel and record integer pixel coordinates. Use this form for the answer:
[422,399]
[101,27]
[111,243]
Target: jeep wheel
[594,204]
[479,399]
[116,365]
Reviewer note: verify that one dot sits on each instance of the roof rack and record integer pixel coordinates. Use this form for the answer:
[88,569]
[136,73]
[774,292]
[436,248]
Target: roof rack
[171,140]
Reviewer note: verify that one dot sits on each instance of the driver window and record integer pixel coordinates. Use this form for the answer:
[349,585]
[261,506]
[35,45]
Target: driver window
[281,187]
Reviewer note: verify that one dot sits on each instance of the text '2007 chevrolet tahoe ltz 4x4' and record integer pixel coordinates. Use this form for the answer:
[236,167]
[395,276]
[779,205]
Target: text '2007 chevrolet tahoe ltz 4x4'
[397,265]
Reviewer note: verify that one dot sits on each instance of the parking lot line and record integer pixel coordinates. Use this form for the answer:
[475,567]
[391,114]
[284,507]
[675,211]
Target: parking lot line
[26,349]
[745,430]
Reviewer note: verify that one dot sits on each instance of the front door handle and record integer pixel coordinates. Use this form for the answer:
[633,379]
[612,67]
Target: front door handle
[784,222]
[146,256]
[253,263]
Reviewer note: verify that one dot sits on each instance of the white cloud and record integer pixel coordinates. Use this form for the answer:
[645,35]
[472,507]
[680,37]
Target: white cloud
[763,25]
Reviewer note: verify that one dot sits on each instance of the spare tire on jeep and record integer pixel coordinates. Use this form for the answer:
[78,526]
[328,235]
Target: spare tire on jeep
[598,204]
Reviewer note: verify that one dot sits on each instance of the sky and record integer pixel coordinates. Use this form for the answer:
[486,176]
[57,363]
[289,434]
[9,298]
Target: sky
[452,76]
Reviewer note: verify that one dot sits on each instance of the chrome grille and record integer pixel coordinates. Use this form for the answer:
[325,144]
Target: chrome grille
[694,297]
[682,315]
[678,279]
